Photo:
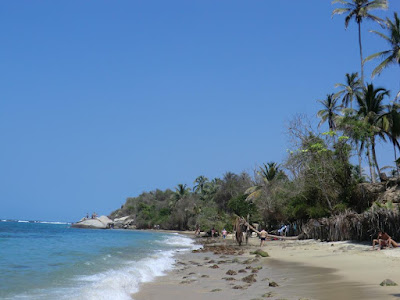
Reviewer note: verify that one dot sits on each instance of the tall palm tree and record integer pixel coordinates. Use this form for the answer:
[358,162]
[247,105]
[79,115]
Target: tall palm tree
[360,10]
[329,112]
[350,89]
[181,191]
[391,56]
[392,128]
[371,110]
[200,183]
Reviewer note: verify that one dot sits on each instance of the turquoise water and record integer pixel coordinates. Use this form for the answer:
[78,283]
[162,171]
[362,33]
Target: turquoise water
[54,261]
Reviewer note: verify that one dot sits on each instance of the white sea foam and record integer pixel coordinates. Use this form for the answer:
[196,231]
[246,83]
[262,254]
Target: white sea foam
[23,221]
[181,241]
[56,223]
[119,284]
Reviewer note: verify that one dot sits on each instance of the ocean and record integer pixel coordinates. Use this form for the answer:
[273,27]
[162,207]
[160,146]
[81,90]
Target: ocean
[51,260]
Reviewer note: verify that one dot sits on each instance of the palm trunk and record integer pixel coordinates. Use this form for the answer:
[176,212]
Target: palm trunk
[359,161]
[371,168]
[395,159]
[374,156]
[361,53]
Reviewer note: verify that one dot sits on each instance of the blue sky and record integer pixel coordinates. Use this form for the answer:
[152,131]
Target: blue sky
[101,100]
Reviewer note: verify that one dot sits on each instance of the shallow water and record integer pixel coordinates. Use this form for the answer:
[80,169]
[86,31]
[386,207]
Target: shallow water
[55,261]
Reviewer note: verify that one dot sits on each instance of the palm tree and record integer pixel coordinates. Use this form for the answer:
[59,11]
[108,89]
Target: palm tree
[350,89]
[200,183]
[329,112]
[359,10]
[391,56]
[392,128]
[371,111]
[181,191]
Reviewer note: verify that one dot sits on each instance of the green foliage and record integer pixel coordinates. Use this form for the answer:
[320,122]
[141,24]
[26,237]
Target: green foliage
[241,207]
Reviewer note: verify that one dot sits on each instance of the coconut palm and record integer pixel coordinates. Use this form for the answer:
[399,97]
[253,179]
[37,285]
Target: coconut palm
[391,56]
[200,183]
[350,89]
[360,10]
[181,191]
[392,128]
[371,111]
[329,112]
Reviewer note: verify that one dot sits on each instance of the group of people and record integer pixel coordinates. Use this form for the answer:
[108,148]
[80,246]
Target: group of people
[384,240]
[94,215]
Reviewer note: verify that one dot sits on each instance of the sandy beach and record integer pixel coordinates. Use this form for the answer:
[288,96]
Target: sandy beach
[305,269]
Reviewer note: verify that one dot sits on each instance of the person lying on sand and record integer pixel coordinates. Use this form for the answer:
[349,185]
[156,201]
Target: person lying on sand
[384,240]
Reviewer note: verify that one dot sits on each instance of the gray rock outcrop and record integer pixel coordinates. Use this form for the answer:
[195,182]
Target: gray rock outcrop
[101,222]
[127,222]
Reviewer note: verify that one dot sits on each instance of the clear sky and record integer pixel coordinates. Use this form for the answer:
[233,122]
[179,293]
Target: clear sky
[102,100]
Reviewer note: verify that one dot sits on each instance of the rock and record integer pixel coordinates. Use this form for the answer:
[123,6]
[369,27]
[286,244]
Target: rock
[238,287]
[214,267]
[261,253]
[249,279]
[273,284]
[124,222]
[231,272]
[388,282]
[102,222]
[229,278]
[216,290]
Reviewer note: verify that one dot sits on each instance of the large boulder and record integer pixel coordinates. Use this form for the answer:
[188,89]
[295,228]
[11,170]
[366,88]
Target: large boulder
[124,222]
[101,222]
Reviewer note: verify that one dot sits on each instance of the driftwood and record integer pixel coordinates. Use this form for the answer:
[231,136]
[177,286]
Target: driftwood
[243,221]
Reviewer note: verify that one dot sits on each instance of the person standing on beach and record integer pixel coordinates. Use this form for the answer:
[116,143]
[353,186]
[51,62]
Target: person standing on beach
[263,236]
[224,232]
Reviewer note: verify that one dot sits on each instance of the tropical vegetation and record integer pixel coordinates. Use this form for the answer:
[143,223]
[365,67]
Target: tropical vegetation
[322,176]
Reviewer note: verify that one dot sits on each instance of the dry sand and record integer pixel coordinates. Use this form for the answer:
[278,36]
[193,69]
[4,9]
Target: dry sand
[301,269]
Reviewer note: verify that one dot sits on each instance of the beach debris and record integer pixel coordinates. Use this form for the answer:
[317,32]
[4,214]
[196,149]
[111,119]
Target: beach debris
[229,278]
[216,290]
[247,261]
[273,284]
[388,282]
[206,258]
[231,272]
[211,261]
[268,295]
[238,287]
[191,273]
[260,253]
[242,271]
[223,256]
[187,281]
[214,267]
[254,271]
[249,279]
[222,261]
[249,267]
[235,260]
[205,276]
[257,268]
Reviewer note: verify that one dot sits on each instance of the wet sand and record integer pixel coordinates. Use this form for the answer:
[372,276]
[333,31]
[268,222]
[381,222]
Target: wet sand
[300,269]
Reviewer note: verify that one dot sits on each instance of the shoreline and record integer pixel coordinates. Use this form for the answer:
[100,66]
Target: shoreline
[304,269]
